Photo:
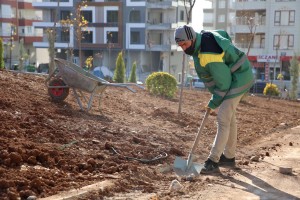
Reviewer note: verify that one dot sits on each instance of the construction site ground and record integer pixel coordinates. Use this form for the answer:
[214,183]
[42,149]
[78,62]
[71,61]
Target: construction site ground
[118,149]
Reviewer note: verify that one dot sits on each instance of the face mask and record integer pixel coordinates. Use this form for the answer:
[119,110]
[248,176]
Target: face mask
[190,50]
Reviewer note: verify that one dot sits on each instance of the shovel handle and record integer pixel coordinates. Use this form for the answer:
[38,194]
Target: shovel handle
[200,130]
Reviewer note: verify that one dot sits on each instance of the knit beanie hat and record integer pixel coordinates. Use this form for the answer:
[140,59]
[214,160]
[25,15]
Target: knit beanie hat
[184,33]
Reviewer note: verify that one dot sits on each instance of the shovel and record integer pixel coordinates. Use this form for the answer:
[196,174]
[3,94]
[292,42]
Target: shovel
[187,168]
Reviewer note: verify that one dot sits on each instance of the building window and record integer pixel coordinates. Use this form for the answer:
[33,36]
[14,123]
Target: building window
[222,4]
[112,16]
[286,70]
[277,18]
[65,36]
[262,42]
[292,17]
[87,37]
[284,18]
[135,37]
[181,15]
[29,29]
[112,37]
[135,16]
[221,18]
[64,15]
[290,41]
[283,41]
[88,15]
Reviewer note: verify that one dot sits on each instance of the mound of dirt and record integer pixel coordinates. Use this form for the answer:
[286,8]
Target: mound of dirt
[47,147]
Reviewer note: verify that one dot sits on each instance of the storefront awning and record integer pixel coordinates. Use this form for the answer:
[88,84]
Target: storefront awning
[285,58]
[252,58]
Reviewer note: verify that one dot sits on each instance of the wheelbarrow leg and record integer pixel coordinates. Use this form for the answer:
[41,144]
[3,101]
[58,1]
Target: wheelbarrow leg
[78,99]
[90,101]
[83,96]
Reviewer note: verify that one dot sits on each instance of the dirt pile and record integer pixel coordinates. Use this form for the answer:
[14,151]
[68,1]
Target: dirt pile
[47,147]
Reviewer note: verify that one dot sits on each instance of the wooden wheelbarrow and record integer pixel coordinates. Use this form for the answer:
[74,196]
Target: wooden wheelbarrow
[72,76]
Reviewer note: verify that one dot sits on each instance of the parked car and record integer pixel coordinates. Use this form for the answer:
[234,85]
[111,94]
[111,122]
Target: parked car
[197,83]
[43,68]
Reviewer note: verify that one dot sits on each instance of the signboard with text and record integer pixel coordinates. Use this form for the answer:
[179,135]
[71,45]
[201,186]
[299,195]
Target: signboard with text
[267,58]
[267,72]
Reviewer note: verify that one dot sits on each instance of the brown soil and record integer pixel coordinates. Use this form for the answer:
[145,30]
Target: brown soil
[47,148]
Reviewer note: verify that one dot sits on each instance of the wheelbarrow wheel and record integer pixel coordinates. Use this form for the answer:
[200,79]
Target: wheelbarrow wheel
[58,94]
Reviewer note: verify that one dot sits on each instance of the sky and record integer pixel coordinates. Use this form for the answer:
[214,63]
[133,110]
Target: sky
[198,14]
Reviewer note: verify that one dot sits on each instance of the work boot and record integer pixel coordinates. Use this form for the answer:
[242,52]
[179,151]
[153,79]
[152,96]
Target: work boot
[230,162]
[210,167]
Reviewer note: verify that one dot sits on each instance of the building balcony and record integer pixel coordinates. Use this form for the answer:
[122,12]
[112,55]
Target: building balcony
[208,24]
[52,3]
[42,24]
[255,49]
[97,46]
[250,4]
[108,24]
[208,10]
[161,26]
[45,44]
[160,47]
[156,4]
[245,29]
[31,39]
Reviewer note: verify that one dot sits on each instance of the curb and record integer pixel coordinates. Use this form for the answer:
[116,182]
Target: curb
[71,194]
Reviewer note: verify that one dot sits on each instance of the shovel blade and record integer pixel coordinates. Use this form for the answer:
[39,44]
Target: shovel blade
[182,168]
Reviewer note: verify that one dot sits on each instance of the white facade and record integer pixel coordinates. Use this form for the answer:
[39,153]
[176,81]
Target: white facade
[276,29]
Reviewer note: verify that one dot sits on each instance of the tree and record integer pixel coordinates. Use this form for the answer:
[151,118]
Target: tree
[132,77]
[78,23]
[51,34]
[119,73]
[22,54]
[252,27]
[252,20]
[295,72]
[2,65]
[188,12]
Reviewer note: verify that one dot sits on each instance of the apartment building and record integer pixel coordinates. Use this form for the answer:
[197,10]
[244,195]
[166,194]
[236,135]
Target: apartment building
[16,31]
[149,41]
[100,38]
[142,29]
[267,30]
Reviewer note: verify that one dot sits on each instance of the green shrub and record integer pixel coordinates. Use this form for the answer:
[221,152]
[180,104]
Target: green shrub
[162,84]
[295,72]
[271,89]
[132,77]
[119,73]
[1,55]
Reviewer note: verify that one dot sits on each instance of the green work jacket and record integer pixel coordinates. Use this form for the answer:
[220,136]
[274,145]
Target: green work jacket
[224,69]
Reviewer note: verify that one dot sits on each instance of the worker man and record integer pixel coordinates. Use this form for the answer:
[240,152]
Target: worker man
[227,74]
